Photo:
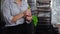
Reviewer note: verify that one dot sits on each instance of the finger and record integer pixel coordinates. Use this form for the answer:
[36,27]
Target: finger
[29,18]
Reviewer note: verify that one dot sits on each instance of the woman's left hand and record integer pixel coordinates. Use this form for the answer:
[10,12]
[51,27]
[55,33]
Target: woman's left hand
[28,12]
[29,18]
[28,15]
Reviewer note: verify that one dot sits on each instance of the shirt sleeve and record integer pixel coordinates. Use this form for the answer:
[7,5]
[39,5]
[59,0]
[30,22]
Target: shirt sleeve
[6,11]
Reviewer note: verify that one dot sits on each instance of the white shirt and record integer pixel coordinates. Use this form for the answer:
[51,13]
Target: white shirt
[10,8]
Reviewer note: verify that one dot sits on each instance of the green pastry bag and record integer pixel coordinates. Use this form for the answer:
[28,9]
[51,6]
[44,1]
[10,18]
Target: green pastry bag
[35,20]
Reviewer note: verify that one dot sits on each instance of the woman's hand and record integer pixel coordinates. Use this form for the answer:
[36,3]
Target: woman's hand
[29,18]
[28,15]
[28,12]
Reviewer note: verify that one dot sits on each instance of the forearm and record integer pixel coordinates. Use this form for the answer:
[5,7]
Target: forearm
[18,16]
